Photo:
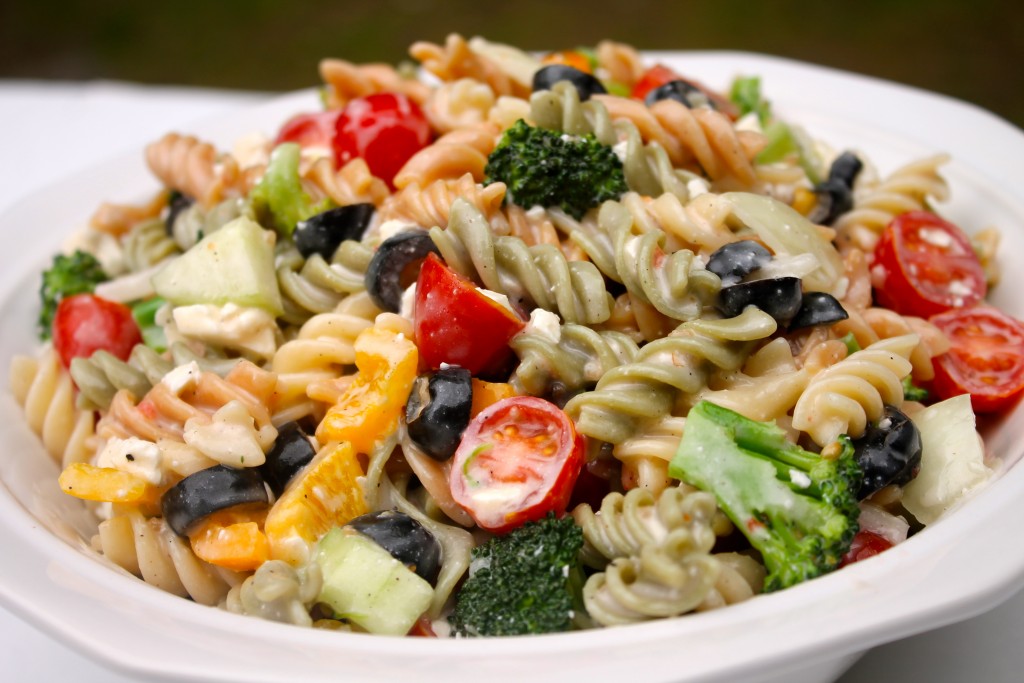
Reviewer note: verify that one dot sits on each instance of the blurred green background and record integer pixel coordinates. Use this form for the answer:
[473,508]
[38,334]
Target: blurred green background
[970,50]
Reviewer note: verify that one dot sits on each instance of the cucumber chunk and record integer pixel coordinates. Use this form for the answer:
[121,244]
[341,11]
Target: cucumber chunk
[232,265]
[367,586]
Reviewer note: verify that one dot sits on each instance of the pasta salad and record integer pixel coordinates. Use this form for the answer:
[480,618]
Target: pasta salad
[512,344]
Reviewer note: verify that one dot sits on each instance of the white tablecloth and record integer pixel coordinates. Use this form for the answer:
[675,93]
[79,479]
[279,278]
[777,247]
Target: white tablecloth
[48,130]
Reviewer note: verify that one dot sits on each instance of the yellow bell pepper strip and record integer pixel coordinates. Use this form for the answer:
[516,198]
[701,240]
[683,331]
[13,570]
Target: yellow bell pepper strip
[370,406]
[327,493]
[109,485]
[232,539]
[488,393]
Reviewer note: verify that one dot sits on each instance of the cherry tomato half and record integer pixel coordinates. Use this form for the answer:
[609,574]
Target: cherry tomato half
[517,462]
[385,130]
[925,266]
[457,324]
[85,323]
[985,359]
[310,130]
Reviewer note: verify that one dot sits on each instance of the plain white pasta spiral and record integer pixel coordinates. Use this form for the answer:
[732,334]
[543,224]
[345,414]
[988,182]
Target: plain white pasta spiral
[43,387]
[843,398]
[151,551]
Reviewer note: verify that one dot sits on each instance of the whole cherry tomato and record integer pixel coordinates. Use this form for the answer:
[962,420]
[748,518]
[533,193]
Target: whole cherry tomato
[385,130]
[925,265]
[310,130]
[518,461]
[985,359]
[457,324]
[85,323]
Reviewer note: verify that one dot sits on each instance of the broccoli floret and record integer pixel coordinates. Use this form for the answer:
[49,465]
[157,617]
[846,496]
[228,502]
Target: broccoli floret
[528,581]
[799,509]
[547,168]
[75,274]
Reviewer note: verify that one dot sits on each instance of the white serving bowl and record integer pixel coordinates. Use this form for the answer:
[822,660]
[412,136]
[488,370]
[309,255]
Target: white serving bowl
[959,567]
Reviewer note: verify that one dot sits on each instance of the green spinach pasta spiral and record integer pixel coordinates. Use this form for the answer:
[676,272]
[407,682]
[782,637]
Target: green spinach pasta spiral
[627,522]
[573,360]
[538,276]
[279,592]
[647,388]
[147,244]
[677,284]
[102,375]
[664,580]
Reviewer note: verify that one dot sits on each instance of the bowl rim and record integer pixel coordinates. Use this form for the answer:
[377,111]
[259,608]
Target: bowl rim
[900,605]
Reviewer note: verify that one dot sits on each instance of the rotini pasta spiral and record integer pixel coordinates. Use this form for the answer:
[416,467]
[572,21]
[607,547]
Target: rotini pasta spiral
[196,221]
[429,206]
[645,455]
[193,167]
[147,244]
[574,360]
[351,184]
[666,579]
[346,81]
[323,348]
[701,137]
[845,397]
[908,188]
[309,287]
[279,592]
[168,408]
[740,578]
[117,219]
[626,523]
[149,549]
[539,276]
[676,283]
[459,104]
[872,324]
[647,387]
[453,155]
[43,388]
[102,375]
[621,61]
[456,59]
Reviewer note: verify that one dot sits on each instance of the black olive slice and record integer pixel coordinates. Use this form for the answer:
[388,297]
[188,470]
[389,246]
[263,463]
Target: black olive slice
[322,233]
[394,266]
[405,539]
[835,195]
[779,297]
[845,168]
[177,203]
[834,199]
[818,308]
[201,494]
[438,410]
[290,453]
[734,261]
[689,95]
[889,452]
[585,84]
